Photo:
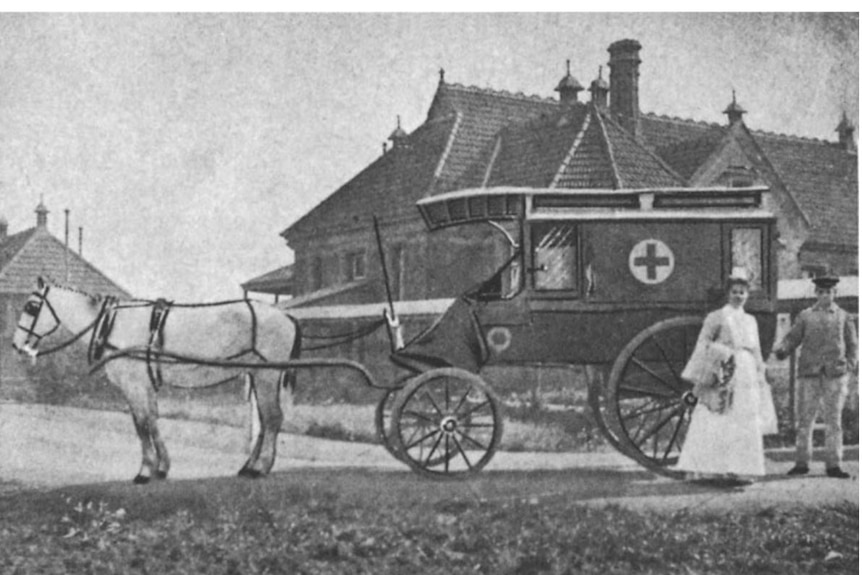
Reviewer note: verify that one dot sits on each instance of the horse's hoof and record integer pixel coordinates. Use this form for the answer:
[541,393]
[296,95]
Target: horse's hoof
[161,474]
[140,479]
[250,473]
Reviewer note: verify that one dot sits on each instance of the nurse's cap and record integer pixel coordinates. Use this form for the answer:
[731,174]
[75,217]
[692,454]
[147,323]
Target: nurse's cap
[825,282]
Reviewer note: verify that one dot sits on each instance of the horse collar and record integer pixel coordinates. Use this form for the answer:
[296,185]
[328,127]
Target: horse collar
[102,329]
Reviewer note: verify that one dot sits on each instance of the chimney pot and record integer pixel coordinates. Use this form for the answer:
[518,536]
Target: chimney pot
[625,72]
[41,214]
[845,131]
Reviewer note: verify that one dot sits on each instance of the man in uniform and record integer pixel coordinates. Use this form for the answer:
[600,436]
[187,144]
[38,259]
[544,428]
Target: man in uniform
[828,355]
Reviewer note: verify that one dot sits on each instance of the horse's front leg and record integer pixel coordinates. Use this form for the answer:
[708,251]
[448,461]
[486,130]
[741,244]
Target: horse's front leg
[265,385]
[141,397]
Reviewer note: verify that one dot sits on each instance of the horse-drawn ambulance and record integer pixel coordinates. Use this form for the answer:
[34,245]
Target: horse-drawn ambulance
[618,280]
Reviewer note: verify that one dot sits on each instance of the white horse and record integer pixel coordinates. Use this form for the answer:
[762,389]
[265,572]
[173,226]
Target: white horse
[143,344]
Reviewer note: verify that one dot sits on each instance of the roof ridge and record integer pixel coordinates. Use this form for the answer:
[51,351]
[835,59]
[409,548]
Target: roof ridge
[791,137]
[615,171]
[764,133]
[576,143]
[637,142]
[502,93]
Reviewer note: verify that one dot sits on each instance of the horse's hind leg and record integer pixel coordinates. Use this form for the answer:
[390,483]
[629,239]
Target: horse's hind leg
[266,386]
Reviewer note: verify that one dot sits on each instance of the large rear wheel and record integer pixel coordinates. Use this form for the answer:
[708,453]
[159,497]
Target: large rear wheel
[650,402]
[446,423]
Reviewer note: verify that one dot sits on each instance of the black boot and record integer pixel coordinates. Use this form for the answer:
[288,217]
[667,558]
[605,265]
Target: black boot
[798,469]
[836,471]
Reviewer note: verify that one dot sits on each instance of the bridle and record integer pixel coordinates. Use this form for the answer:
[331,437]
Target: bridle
[34,310]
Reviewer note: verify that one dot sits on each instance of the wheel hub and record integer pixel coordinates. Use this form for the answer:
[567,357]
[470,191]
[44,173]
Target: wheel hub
[448,425]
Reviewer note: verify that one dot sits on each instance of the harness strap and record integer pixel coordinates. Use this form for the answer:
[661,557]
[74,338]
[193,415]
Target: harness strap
[156,343]
[102,329]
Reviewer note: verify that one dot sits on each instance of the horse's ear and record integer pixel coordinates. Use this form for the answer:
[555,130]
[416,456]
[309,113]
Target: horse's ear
[40,283]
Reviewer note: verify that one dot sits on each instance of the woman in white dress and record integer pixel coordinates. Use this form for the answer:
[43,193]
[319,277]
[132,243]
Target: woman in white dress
[725,436]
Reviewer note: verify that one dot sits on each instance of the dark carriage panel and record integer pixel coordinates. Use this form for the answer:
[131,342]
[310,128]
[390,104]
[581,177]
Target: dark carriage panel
[695,260]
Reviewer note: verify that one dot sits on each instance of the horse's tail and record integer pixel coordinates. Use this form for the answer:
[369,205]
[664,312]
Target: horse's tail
[289,379]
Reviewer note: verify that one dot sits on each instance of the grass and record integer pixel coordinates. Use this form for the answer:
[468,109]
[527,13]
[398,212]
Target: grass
[355,522]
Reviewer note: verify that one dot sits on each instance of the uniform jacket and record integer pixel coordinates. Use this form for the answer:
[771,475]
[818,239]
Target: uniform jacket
[828,341]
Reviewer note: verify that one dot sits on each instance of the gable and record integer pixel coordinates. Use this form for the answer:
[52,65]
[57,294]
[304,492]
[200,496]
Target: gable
[823,178]
[44,255]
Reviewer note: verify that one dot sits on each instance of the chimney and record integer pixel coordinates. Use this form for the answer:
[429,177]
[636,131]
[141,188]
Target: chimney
[624,63]
[734,111]
[599,91]
[4,229]
[41,214]
[845,134]
[568,87]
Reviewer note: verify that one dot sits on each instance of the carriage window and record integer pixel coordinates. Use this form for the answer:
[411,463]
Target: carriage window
[555,256]
[746,246]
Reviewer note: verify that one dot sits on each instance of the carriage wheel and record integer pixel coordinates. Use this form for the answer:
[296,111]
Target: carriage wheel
[383,420]
[651,403]
[446,423]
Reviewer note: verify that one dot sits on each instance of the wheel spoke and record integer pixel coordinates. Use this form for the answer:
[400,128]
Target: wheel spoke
[667,362]
[433,403]
[646,410]
[652,374]
[475,408]
[421,439]
[645,393]
[422,416]
[446,384]
[447,458]
[434,448]
[471,440]
[674,436]
[656,428]
[463,453]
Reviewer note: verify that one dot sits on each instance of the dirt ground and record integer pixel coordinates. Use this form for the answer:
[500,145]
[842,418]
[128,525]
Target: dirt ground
[47,447]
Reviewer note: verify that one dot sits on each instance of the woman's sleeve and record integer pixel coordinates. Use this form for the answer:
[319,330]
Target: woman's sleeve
[758,352]
[710,330]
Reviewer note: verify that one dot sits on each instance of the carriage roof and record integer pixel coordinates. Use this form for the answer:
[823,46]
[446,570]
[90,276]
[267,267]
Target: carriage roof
[479,205]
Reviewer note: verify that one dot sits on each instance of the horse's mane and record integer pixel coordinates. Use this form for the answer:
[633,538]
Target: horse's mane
[134,301]
[54,283]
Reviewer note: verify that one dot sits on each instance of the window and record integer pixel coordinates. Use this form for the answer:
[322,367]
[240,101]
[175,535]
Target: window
[747,254]
[316,273]
[554,257]
[355,266]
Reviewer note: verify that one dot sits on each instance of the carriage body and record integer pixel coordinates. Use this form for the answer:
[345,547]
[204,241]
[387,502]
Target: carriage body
[619,280]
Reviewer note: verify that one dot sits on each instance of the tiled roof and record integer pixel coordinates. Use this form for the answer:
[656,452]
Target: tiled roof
[34,252]
[406,172]
[636,166]
[461,122]
[278,281]
[581,148]
[687,156]
[823,179]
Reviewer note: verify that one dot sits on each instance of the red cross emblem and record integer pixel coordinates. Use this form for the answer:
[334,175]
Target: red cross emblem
[651,261]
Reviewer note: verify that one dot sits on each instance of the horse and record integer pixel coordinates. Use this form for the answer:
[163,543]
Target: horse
[144,344]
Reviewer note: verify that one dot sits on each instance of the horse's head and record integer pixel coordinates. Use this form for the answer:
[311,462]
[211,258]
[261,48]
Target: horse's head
[37,321]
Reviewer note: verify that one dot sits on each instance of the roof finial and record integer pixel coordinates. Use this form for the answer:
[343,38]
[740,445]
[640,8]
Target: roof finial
[734,111]
[568,67]
[442,75]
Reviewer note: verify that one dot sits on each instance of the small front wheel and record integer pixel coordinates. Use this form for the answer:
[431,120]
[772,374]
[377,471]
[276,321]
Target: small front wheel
[446,423]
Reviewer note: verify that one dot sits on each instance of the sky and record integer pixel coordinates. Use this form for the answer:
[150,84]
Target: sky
[183,144]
